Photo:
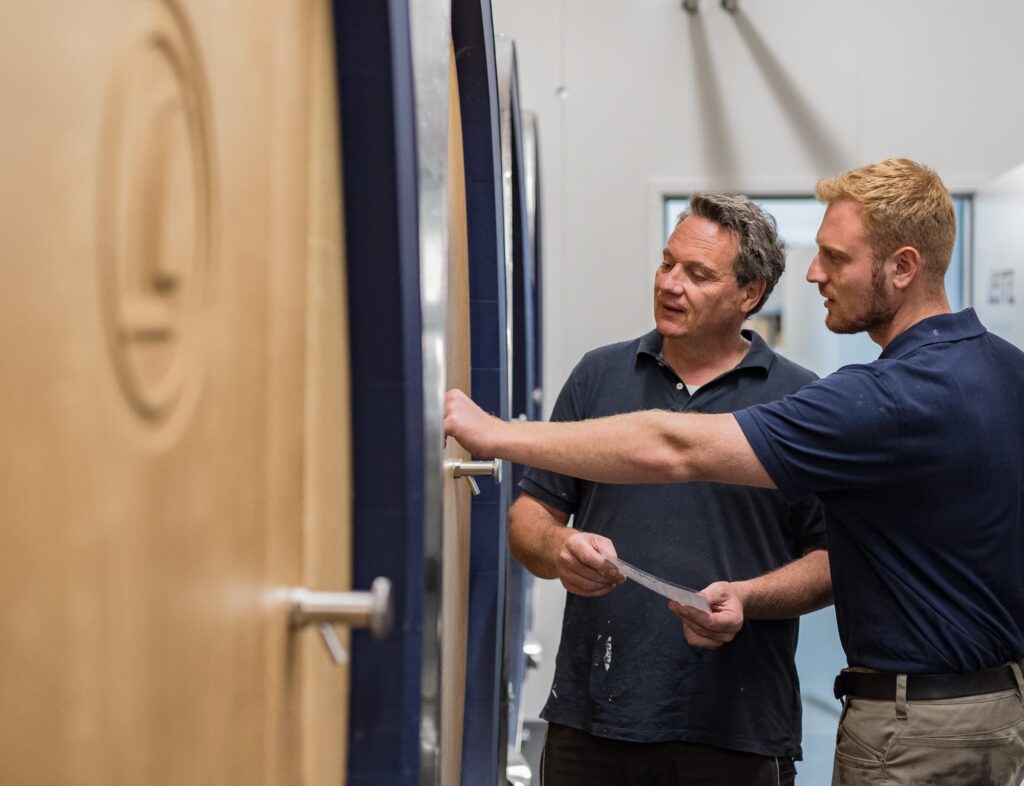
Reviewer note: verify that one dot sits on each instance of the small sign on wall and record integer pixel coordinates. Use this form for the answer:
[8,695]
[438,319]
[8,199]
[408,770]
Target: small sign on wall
[1000,287]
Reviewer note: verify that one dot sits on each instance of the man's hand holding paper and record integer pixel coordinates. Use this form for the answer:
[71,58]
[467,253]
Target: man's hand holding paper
[583,566]
[717,626]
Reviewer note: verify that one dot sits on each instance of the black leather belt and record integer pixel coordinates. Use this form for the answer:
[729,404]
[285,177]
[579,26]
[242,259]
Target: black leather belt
[921,687]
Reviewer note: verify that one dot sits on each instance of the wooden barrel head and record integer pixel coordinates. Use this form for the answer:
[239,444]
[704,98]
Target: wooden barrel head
[174,395]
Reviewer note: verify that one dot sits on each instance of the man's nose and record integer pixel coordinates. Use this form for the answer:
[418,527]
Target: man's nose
[673,280]
[815,273]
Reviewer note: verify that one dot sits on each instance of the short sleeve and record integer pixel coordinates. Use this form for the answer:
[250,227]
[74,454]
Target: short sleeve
[559,491]
[807,518]
[840,432]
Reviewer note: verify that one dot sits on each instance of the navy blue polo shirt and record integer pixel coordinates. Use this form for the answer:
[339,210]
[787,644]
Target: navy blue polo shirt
[918,459]
[624,670]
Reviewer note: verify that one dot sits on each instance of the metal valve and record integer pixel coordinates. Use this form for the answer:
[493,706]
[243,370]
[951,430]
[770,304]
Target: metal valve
[470,470]
[370,609]
[465,469]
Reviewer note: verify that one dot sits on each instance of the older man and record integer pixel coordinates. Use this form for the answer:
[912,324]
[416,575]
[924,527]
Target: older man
[632,702]
[918,459]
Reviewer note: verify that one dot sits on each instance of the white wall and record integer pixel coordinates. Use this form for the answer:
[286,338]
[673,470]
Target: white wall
[999,245]
[765,101]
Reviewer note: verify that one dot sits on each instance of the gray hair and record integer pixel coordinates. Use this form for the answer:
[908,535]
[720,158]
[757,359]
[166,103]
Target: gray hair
[761,254]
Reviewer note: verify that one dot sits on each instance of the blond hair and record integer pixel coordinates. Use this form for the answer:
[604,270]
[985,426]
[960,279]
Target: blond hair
[905,204]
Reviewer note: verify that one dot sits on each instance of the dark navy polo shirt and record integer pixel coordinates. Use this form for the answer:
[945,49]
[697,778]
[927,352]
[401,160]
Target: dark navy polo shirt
[918,459]
[624,669]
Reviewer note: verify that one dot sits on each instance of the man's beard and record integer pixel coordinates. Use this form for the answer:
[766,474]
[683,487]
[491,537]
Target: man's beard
[872,312]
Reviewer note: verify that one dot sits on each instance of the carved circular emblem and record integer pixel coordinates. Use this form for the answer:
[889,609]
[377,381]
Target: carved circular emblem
[155,214]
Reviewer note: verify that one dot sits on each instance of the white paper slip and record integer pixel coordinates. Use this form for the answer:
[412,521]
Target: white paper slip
[683,595]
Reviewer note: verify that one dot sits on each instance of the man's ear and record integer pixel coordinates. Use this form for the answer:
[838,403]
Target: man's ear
[907,266]
[752,294]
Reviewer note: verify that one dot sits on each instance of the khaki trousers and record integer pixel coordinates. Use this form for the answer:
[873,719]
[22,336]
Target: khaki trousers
[966,741]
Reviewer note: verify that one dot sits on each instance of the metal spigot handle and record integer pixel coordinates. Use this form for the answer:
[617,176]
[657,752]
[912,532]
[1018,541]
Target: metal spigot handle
[467,469]
[370,609]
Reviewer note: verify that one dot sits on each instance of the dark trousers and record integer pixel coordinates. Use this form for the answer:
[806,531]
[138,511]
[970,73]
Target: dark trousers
[575,758]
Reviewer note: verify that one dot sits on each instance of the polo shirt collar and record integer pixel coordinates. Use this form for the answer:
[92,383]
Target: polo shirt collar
[759,354]
[935,330]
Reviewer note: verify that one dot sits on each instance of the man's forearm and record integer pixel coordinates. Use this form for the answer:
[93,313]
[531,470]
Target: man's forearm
[535,535]
[619,449]
[641,447]
[536,544]
[802,586]
[540,539]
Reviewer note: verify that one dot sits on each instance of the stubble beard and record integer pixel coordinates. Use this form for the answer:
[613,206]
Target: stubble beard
[873,312]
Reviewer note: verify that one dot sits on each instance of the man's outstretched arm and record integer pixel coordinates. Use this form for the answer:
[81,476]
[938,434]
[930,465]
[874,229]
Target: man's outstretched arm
[641,447]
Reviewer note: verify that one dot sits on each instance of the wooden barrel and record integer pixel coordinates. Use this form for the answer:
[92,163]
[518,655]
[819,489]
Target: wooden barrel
[483,752]
[394,687]
[456,536]
[527,395]
[193,367]
[175,394]
[520,154]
